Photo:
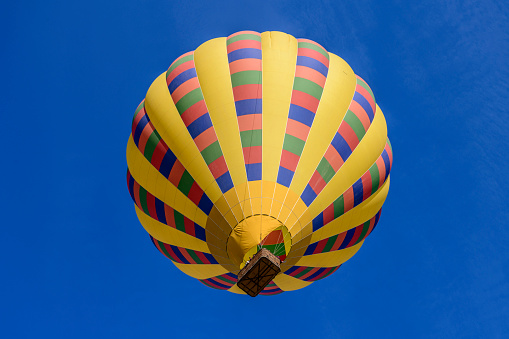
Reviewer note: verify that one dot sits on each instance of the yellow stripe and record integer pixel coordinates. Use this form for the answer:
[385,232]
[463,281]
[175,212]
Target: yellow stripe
[235,289]
[361,159]
[166,119]
[279,57]
[155,183]
[198,271]
[289,283]
[329,259]
[337,94]
[170,235]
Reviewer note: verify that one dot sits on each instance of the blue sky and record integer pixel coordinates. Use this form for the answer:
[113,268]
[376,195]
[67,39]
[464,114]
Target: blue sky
[75,261]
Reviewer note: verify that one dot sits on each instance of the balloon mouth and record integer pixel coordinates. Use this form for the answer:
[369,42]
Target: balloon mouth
[254,233]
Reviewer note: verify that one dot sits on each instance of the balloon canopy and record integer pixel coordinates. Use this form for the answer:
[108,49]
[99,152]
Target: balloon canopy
[258,141]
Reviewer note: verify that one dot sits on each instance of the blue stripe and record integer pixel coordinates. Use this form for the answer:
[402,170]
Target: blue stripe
[291,270]
[308,196]
[311,248]
[348,238]
[181,78]
[358,192]
[167,163]
[248,106]
[225,182]
[131,187]
[312,63]
[210,258]
[179,255]
[365,104]
[341,146]
[200,125]
[139,128]
[387,162]
[284,176]
[161,216]
[200,232]
[318,222]
[317,273]
[301,114]
[254,171]
[205,204]
[245,53]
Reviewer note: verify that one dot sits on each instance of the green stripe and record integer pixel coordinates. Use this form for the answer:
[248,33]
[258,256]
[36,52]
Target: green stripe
[143,200]
[251,138]
[314,47]
[179,221]
[375,178]
[185,183]
[189,100]
[293,144]
[328,273]
[161,246]
[246,36]
[365,228]
[325,170]
[179,62]
[329,244]
[389,142]
[365,85]
[304,271]
[211,152]
[339,206]
[150,147]
[140,106]
[356,124]
[209,284]
[194,256]
[226,280]
[246,78]
[308,86]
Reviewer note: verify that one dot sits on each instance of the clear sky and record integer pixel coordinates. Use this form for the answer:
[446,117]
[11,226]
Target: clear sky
[76,263]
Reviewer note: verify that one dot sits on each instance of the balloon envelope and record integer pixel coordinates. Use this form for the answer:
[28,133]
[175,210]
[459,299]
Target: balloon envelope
[258,140]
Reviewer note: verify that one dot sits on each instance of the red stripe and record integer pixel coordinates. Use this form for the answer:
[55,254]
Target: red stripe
[247,43]
[202,257]
[194,112]
[136,191]
[250,122]
[170,216]
[338,242]
[297,129]
[320,246]
[356,235]
[349,135]
[179,69]
[289,160]
[186,255]
[250,91]
[185,88]
[205,139]
[305,100]
[176,173]
[137,118]
[189,226]
[349,199]
[313,54]
[151,206]
[317,183]
[195,193]
[218,167]
[360,112]
[297,271]
[252,155]
[158,155]
[145,134]
[367,185]
[334,159]
[364,92]
[328,214]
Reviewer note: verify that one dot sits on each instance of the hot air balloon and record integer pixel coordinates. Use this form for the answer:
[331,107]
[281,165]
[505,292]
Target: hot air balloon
[258,157]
